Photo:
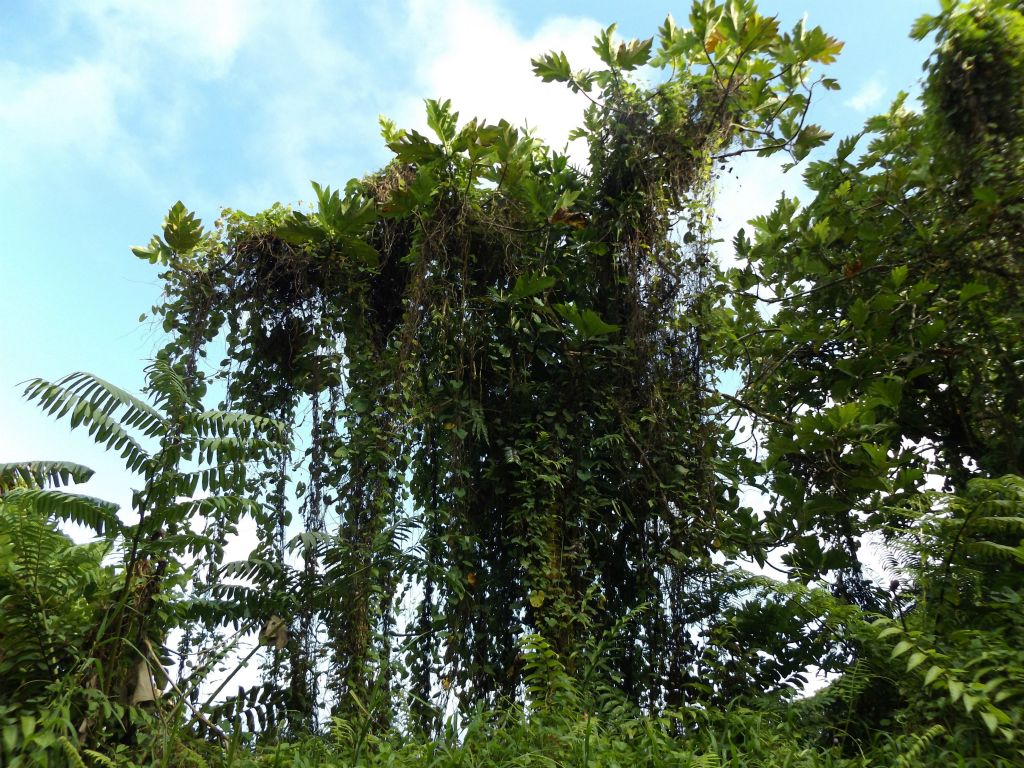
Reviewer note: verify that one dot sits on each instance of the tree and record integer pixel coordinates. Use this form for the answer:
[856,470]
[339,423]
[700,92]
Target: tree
[878,326]
[503,356]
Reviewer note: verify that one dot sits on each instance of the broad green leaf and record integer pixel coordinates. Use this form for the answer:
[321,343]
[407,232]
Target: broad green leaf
[633,54]
[441,119]
[971,290]
[531,284]
[363,252]
[299,229]
[156,252]
[899,276]
[182,230]
[587,322]
[956,689]
[916,659]
[552,67]
[603,46]
[901,647]
[990,720]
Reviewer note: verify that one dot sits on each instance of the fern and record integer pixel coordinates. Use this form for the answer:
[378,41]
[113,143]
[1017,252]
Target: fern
[99,758]
[42,474]
[94,513]
[910,757]
[94,403]
[71,752]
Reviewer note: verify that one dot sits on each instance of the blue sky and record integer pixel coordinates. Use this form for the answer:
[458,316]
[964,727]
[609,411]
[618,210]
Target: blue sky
[110,110]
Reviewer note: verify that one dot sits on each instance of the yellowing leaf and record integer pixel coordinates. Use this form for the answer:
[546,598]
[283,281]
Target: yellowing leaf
[711,41]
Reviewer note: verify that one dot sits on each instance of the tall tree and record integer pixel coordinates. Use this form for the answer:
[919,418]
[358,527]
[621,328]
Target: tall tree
[504,360]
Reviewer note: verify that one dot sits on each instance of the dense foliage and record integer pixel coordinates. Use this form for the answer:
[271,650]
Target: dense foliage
[470,405]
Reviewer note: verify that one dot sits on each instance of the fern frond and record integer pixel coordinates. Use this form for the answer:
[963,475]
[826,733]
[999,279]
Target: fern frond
[223,507]
[89,511]
[40,474]
[95,403]
[168,388]
[1000,524]
[921,742]
[995,552]
[99,758]
[223,423]
[104,397]
[222,450]
[71,752]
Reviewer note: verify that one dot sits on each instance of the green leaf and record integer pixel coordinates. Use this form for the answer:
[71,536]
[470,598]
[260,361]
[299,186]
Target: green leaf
[932,674]
[389,131]
[809,138]
[530,284]
[985,195]
[587,322]
[603,46]
[899,276]
[442,120]
[182,230]
[362,251]
[39,474]
[634,54]
[990,720]
[552,67]
[415,148]
[972,290]
[916,659]
[956,689]
[156,252]
[299,229]
[97,514]
[901,647]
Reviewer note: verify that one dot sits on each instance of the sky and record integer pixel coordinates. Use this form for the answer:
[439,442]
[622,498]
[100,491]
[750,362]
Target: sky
[111,110]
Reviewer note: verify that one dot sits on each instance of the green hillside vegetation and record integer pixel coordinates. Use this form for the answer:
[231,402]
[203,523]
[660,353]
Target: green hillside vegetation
[480,407]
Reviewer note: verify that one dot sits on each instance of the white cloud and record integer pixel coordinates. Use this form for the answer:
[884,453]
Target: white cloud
[868,96]
[205,35]
[308,93]
[119,103]
[70,110]
[471,53]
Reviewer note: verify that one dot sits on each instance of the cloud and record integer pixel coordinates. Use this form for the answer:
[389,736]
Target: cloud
[203,35]
[70,110]
[471,53]
[112,96]
[867,97]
